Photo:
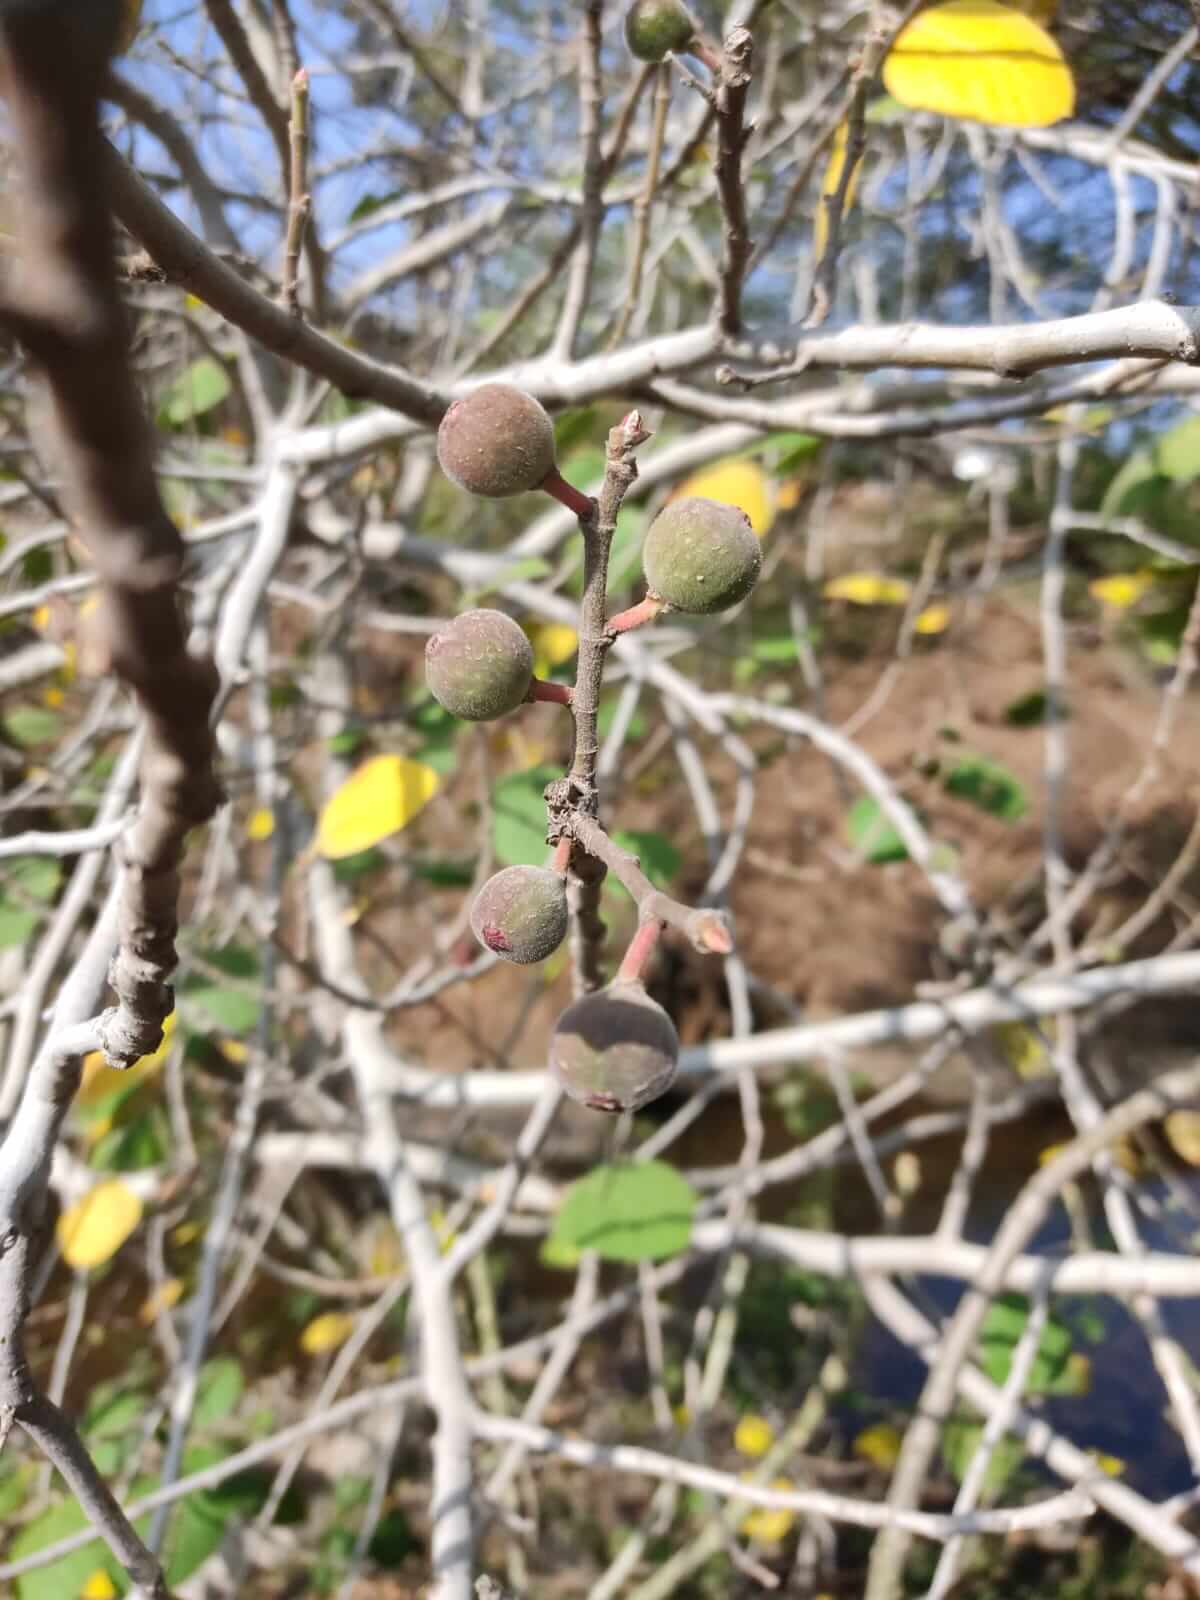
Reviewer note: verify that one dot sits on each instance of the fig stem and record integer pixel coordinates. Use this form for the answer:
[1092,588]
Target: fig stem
[647,610]
[641,947]
[560,694]
[568,495]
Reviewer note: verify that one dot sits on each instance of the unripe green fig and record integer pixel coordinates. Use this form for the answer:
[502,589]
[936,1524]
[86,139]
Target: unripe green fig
[615,1050]
[480,667]
[652,27]
[496,442]
[701,556]
[521,914]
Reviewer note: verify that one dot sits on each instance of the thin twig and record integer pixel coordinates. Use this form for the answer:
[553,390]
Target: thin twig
[737,57]
[299,198]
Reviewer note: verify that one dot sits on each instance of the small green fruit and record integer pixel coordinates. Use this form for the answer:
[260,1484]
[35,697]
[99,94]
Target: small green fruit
[496,442]
[701,556]
[521,914]
[615,1050]
[480,667]
[652,27]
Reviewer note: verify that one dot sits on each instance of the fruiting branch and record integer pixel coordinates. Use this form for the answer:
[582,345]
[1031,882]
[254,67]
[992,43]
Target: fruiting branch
[707,930]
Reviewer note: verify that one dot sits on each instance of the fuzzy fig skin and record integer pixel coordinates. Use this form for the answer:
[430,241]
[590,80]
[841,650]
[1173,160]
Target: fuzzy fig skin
[652,27]
[521,914]
[496,442]
[615,1050]
[701,556]
[480,667]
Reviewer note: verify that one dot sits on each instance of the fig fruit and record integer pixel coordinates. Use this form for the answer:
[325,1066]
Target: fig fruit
[496,442]
[521,914]
[615,1050]
[701,556]
[480,667]
[652,27]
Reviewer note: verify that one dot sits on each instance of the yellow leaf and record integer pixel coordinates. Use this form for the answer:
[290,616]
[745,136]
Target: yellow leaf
[326,1332]
[169,1293]
[1049,1154]
[789,494]
[1112,1465]
[385,1253]
[95,1228]
[98,1586]
[1024,1048]
[53,697]
[753,1435]
[1182,1129]
[868,589]
[880,1445]
[185,1233]
[768,1526]
[379,799]
[553,643]
[1122,590]
[737,483]
[99,1079]
[260,824]
[681,1415]
[829,187]
[934,619]
[906,1172]
[235,1050]
[1079,1369]
[41,618]
[70,666]
[981,60]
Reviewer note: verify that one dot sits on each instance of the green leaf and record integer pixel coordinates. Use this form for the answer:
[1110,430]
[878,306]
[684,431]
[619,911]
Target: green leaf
[67,1576]
[659,857]
[16,1484]
[633,1212]
[519,817]
[445,873]
[16,923]
[36,877]
[393,1540]
[988,785]
[230,1009]
[346,743]
[530,568]
[198,389]
[872,834]
[373,202]
[144,1143]
[576,426]
[440,754]
[1031,710]
[116,1414]
[32,725]
[218,1390]
[786,451]
[37,565]
[775,649]
[960,1440]
[360,865]
[606,716]
[1003,1327]
[1177,452]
